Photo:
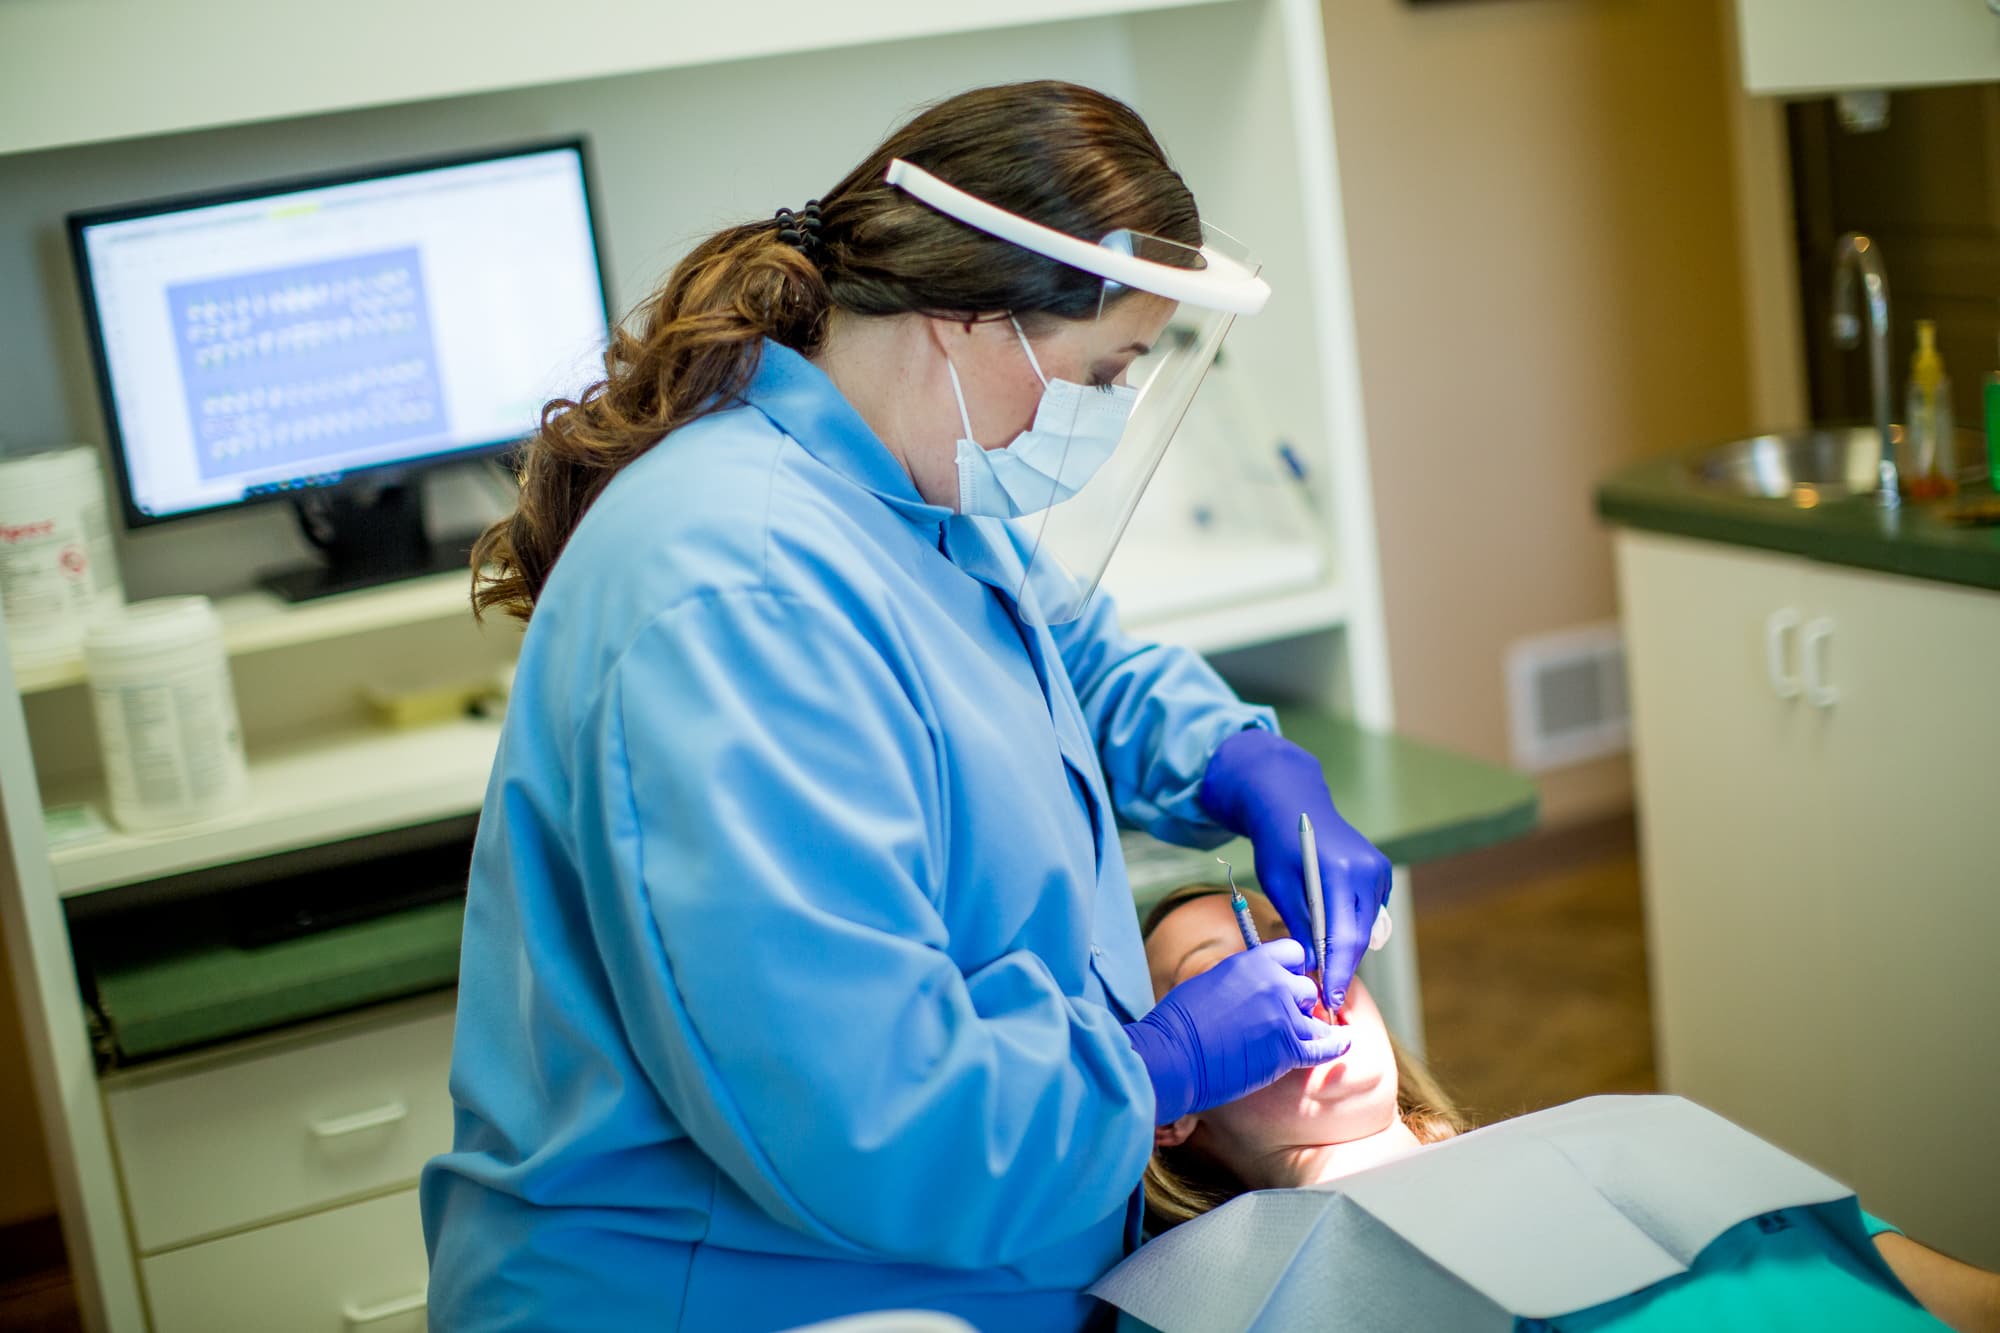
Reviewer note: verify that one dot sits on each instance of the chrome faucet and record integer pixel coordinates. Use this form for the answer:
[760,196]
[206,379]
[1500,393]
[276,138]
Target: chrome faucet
[1858,252]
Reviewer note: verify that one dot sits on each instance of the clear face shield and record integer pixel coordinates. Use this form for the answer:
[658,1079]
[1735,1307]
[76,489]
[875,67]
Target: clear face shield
[1113,438]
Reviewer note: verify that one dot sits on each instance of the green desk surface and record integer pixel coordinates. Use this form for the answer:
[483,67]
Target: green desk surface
[204,994]
[1417,803]
[1414,801]
[1661,495]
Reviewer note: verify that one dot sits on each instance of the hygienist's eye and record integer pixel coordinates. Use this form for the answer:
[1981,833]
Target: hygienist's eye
[1097,381]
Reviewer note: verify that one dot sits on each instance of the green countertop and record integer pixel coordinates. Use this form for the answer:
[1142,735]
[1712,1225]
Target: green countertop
[1414,801]
[1660,495]
[1417,803]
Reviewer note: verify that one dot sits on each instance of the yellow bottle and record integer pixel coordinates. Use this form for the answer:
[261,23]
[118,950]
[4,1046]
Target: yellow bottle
[1930,467]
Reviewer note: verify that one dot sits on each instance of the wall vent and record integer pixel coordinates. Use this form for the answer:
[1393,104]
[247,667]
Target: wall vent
[1566,697]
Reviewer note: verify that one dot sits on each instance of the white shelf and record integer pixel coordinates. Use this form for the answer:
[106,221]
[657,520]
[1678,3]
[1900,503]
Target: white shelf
[132,84]
[256,621]
[304,794]
[1221,628]
[1214,593]
[370,779]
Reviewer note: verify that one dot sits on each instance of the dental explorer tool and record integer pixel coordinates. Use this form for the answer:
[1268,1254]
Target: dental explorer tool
[1315,901]
[1242,908]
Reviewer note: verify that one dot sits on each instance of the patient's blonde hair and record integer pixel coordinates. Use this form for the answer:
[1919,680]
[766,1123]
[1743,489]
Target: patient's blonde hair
[1183,1182]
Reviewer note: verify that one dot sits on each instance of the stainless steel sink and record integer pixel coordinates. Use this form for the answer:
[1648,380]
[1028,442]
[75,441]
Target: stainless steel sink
[1804,467]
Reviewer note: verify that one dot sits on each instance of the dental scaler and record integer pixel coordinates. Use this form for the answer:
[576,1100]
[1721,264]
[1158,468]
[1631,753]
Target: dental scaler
[1241,906]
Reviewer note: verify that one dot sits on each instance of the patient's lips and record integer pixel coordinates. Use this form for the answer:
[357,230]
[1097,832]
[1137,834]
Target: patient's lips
[1339,1018]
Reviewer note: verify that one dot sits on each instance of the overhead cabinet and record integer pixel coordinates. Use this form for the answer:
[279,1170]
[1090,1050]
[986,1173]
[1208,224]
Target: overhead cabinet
[1804,46]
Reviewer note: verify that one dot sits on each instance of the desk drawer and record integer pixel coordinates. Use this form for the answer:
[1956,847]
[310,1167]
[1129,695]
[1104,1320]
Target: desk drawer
[357,1269]
[285,1127]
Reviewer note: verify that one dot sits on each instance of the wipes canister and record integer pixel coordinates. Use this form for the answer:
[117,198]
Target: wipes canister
[166,713]
[57,569]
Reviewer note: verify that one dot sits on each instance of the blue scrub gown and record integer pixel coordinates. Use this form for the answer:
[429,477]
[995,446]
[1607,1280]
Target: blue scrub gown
[798,940]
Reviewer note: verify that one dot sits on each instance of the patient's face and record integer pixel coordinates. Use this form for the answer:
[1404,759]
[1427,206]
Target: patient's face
[1347,1099]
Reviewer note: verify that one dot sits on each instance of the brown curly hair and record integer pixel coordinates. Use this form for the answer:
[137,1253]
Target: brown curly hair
[1065,156]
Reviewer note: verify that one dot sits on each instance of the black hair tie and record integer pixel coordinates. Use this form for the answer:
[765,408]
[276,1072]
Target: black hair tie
[801,230]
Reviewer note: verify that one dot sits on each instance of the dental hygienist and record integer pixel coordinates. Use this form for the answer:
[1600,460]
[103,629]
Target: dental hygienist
[801,974]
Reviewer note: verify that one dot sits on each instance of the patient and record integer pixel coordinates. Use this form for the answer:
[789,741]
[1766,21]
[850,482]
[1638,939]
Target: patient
[1377,1104]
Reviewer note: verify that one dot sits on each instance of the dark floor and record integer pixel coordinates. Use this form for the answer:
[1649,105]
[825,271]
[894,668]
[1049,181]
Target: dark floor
[1534,994]
[35,1291]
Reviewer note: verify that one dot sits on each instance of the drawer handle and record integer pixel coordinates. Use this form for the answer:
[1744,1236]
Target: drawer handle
[1812,656]
[1777,626]
[357,1315]
[342,1125]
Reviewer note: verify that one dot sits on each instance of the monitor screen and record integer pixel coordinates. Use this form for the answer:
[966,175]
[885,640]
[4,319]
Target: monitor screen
[260,341]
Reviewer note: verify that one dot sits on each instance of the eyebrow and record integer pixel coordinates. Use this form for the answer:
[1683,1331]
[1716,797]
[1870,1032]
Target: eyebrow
[1140,348]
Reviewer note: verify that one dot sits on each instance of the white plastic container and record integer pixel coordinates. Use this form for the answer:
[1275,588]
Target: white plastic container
[166,713]
[57,569]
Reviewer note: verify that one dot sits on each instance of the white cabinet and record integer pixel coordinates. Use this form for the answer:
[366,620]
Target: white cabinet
[1717,754]
[358,1269]
[1798,46]
[272,1182]
[213,1143]
[1816,750]
[1906,770]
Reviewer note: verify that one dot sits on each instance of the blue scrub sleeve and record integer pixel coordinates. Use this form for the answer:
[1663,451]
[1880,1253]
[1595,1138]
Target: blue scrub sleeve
[1157,713]
[770,795]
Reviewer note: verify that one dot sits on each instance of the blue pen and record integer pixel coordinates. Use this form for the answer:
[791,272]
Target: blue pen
[1242,907]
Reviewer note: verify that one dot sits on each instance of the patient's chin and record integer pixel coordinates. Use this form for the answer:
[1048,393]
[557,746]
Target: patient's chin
[1329,1103]
[1339,1081]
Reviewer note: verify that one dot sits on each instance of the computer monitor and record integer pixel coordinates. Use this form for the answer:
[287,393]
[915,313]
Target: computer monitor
[327,340]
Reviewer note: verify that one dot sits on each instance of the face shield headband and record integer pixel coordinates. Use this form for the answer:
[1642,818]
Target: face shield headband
[1070,537]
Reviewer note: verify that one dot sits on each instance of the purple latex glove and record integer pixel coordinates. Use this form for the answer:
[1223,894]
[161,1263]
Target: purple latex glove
[1257,785]
[1242,1024]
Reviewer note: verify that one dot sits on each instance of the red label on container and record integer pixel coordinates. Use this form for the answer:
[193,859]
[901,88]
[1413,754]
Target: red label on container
[12,533]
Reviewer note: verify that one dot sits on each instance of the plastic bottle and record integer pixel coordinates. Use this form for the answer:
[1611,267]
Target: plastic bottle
[56,564]
[1932,469]
[166,713]
[1992,402]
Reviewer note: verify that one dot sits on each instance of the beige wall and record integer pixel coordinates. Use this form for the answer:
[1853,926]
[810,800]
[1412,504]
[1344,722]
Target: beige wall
[25,1188]
[1541,210]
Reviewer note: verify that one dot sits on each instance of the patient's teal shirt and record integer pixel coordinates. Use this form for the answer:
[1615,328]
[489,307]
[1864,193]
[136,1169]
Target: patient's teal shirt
[1798,1270]
[1813,1270]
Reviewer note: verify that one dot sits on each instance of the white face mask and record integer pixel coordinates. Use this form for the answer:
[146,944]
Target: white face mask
[1076,429]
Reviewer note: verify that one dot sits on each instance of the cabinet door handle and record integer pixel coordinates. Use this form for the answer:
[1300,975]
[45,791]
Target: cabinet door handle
[342,1125]
[1778,626]
[358,1315]
[1812,657]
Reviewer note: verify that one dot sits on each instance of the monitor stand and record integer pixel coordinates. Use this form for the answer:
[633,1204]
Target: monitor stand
[368,538]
